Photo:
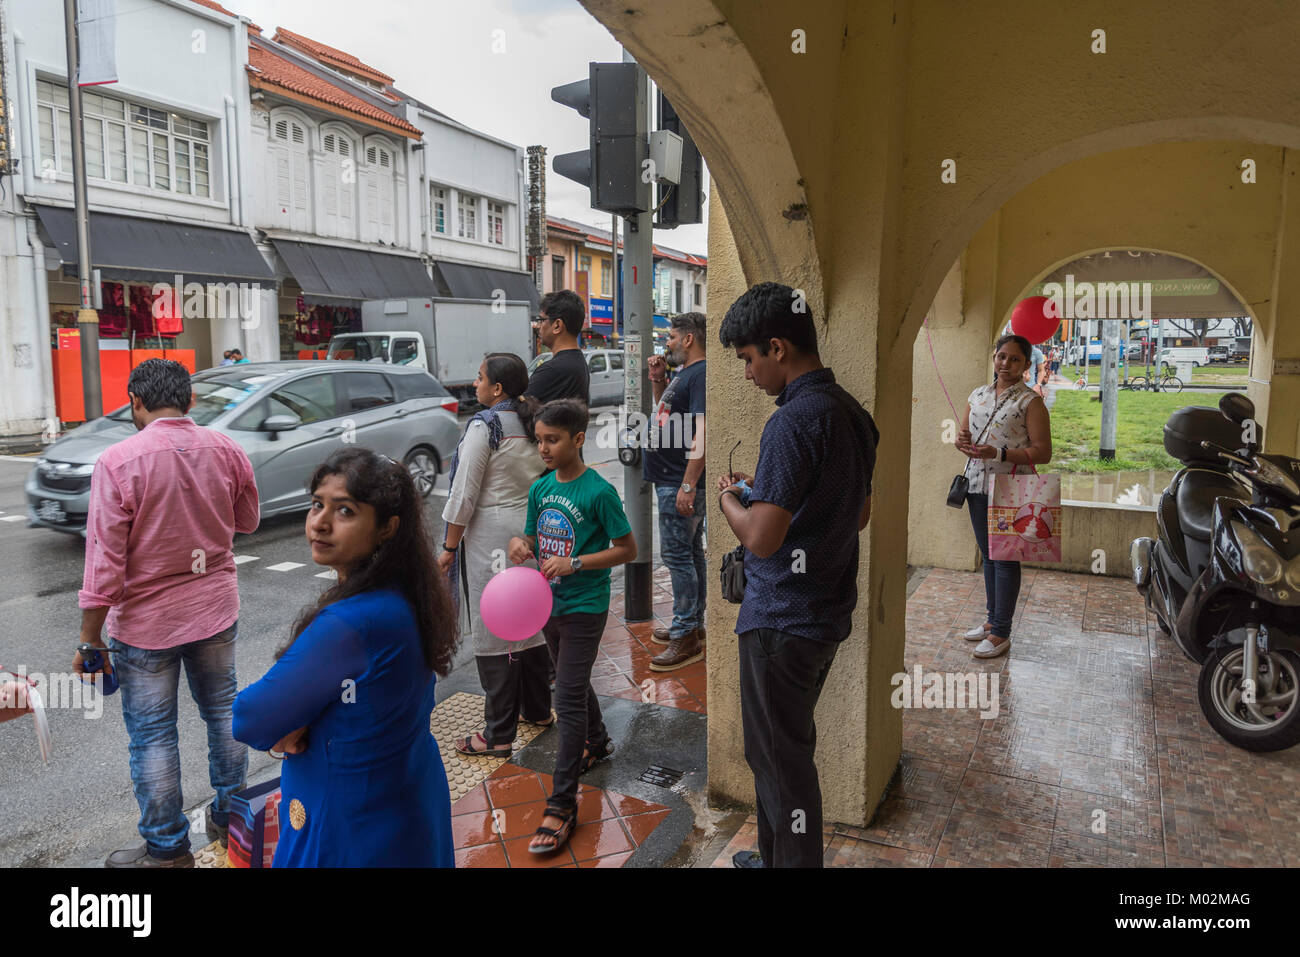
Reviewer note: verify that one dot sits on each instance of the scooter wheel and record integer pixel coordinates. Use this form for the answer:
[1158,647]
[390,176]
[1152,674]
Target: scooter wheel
[1277,698]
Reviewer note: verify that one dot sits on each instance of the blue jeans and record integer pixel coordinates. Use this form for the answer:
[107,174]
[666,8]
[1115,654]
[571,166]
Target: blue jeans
[1001,579]
[681,546]
[149,680]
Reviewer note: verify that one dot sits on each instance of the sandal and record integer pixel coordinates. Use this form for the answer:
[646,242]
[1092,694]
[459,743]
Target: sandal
[466,746]
[569,820]
[538,724]
[595,755]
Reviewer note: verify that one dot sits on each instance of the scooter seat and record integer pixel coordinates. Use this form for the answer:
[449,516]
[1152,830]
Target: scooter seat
[1195,500]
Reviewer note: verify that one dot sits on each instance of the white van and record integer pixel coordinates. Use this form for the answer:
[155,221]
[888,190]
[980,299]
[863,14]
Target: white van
[1197,355]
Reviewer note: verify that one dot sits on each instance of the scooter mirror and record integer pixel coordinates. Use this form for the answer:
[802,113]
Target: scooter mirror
[1237,407]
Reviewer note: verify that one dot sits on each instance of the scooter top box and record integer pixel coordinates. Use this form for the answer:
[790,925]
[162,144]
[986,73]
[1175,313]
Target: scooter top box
[1188,428]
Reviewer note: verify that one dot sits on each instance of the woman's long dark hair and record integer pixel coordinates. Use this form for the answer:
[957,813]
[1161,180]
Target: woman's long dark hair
[508,371]
[403,562]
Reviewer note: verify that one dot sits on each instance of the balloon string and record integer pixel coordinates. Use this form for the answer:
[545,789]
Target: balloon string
[926,323]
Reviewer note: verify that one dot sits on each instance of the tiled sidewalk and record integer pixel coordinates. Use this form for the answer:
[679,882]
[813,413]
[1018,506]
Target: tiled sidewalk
[1099,755]
[494,823]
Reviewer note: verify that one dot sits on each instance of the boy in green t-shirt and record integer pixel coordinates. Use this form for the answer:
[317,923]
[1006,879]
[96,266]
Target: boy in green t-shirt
[573,514]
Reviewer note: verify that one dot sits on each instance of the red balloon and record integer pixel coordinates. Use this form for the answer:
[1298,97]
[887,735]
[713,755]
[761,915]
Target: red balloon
[1035,318]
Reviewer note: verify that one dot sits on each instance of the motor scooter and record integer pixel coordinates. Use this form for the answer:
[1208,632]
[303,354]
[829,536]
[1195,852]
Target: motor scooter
[1223,576]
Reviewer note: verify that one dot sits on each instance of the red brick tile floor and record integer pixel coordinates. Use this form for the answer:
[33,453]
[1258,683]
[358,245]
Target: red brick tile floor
[1099,755]
[494,823]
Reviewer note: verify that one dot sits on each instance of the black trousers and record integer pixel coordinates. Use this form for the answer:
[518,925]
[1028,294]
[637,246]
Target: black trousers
[574,641]
[781,678]
[513,687]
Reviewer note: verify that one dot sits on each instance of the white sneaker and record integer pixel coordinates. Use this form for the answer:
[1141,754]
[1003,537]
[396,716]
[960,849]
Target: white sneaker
[986,648]
[976,633]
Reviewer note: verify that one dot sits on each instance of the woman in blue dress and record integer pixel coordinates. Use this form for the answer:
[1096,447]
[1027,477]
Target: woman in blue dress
[348,699]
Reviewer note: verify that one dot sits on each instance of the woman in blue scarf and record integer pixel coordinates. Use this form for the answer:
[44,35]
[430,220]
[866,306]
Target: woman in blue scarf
[494,466]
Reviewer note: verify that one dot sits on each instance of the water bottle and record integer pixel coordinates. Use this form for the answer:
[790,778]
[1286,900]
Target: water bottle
[93,661]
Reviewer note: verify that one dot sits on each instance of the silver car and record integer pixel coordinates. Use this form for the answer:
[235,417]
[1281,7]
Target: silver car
[605,367]
[288,417]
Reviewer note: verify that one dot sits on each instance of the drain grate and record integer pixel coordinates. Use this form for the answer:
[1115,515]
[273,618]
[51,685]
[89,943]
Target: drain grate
[662,777]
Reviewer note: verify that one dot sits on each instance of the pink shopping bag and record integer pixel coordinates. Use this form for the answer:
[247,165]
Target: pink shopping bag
[1025,518]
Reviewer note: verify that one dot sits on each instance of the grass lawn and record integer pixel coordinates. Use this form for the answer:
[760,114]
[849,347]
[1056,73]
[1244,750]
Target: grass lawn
[1139,439]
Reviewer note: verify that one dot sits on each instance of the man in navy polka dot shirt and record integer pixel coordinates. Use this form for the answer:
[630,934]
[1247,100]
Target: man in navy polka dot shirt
[799,520]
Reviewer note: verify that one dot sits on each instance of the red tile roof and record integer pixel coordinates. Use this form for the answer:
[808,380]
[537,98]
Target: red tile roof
[269,70]
[601,238]
[330,56]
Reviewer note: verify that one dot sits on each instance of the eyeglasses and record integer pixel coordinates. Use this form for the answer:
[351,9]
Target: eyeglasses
[729,457]
[537,319]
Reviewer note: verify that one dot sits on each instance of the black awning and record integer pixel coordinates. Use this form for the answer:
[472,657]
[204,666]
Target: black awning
[334,275]
[151,250]
[478,282]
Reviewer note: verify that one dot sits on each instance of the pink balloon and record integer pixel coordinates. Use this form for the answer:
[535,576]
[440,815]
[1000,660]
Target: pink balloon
[516,603]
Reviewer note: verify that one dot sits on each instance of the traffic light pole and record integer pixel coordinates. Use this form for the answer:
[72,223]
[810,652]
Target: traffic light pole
[87,317]
[638,308]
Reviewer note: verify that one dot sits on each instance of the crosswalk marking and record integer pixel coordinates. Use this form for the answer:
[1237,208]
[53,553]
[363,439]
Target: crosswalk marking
[328,574]
[284,566]
[12,518]
[240,559]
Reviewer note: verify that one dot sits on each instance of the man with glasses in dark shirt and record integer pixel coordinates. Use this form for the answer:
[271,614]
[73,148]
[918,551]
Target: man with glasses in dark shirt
[799,520]
[565,375]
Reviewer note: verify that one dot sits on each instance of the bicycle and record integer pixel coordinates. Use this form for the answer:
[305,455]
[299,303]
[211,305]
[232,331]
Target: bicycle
[1165,383]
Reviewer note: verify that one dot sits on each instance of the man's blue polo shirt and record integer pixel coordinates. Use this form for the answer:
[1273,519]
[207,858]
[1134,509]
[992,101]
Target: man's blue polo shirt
[812,464]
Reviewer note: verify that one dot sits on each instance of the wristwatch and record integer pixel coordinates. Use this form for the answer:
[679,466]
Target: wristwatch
[576,563]
[686,487]
[1002,454]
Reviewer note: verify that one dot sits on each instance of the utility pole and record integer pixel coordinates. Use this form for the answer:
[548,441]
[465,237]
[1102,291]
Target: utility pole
[87,317]
[638,344]
[615,330]
[1109,387]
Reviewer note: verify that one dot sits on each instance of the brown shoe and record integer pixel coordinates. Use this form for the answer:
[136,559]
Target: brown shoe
[140,857]
[679,653]
[660,636]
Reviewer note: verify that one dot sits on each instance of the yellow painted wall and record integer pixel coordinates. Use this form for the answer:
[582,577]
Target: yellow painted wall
[828,163]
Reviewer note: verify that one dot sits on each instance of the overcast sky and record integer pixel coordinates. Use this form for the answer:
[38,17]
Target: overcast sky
[442,52]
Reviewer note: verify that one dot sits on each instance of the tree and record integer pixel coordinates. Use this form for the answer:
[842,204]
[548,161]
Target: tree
[1241,327]
[1196,328]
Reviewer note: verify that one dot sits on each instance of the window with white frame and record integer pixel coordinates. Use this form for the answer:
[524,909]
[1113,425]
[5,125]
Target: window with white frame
[699,296]
[381,187]
[125,142]
[606,273]
[438,208]
[338,183]
[289,167]
[467,221]
[496,223]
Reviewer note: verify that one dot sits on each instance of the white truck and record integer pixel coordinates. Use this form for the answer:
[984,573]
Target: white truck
[448,337]
[1172,355]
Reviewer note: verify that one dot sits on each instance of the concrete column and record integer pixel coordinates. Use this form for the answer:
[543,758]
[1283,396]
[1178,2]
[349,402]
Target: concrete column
[25,396]
[939,536]
[262,337]
[1275,360]
[736,410]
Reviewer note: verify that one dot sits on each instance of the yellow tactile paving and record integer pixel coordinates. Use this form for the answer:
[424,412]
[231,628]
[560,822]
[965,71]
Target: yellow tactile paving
[459,715]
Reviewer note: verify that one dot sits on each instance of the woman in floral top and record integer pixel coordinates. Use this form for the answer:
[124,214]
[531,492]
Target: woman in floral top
[1011,427]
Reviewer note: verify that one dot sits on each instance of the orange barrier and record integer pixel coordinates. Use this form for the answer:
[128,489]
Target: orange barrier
[115,367]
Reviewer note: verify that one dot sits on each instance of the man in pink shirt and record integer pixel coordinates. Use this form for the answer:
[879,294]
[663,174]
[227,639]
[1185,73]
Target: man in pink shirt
[164,508]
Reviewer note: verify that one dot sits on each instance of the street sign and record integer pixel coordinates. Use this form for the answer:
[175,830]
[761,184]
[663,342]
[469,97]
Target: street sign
[632,366]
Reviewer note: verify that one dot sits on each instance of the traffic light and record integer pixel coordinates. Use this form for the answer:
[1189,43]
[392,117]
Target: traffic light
[681,204]
[613,98]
